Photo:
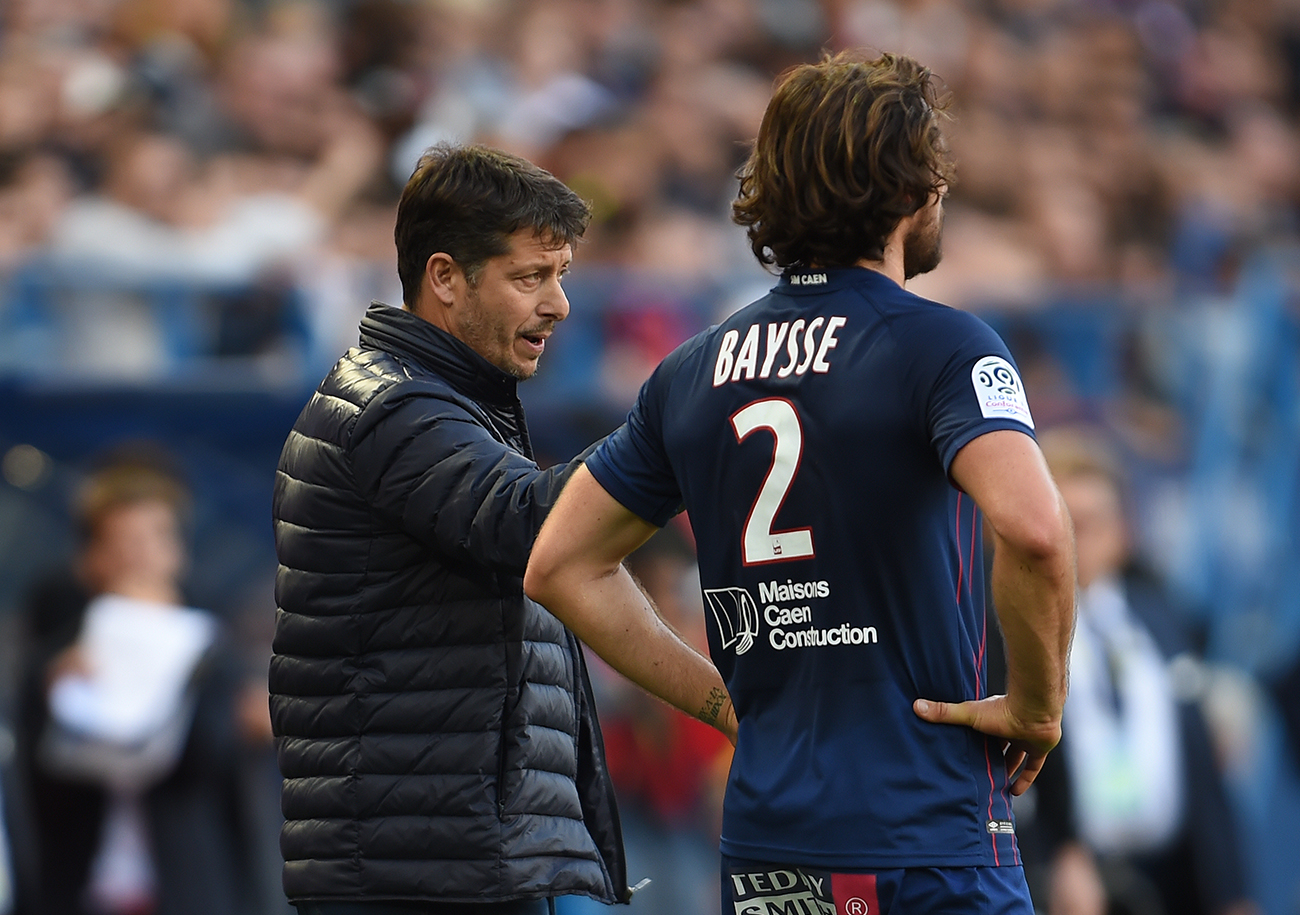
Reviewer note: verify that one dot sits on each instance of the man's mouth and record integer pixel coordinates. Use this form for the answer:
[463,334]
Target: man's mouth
[536,339]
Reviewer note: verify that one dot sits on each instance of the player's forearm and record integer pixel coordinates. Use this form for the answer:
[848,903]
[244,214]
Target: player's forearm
[1034,593]
[610,614]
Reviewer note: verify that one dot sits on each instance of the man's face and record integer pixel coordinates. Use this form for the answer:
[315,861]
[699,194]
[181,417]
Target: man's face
[136,548]
[923,246]
[1100,536]
[514,303]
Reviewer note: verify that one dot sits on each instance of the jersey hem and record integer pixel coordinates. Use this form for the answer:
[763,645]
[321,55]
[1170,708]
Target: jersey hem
[862,861]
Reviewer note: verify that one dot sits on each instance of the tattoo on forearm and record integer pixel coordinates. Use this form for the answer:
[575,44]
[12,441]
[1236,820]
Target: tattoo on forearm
[713,707]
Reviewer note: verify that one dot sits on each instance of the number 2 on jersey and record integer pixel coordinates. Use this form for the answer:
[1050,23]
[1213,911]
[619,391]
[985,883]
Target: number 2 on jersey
[760,543]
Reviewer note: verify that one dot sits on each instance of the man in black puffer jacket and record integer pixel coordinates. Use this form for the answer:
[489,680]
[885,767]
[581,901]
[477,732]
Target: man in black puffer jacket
[437,735]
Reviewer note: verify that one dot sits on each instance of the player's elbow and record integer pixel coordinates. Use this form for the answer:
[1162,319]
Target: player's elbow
[541,577]
[1042,535]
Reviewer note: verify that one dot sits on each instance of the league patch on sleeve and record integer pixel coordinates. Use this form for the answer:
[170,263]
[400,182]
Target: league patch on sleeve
[999,391]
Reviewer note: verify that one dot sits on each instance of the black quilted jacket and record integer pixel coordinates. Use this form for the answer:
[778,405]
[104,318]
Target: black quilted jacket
[436,730]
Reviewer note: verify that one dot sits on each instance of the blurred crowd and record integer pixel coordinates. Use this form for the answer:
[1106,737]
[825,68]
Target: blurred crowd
[1131,144]
[1134,154]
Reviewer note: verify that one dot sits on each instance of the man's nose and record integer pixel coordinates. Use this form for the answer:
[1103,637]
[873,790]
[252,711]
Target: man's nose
[554,304]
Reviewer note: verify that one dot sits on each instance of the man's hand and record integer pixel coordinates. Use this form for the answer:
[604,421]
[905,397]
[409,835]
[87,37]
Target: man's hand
[1027,742]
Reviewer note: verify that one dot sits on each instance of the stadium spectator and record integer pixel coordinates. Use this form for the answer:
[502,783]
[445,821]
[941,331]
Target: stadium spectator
[1132,811]
[149,822]
[163,214]
[34,190]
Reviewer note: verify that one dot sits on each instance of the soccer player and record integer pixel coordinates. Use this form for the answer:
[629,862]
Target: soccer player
[837,445]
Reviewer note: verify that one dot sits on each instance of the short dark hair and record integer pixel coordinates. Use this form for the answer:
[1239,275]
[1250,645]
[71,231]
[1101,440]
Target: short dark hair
[847,148]
[467,200]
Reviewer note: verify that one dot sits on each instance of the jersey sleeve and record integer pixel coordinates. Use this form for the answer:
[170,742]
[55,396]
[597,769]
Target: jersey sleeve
[975,390]
[632,464]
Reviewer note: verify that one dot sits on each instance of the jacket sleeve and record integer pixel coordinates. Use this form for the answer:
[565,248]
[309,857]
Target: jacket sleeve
[429,467]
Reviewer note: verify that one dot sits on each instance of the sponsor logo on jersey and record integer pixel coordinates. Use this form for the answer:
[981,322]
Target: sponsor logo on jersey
[812,637]
[781,890]
[1000,826]
[807,279]
[769,591]
[800,891]
[739,619]
[736,616]
[999,391]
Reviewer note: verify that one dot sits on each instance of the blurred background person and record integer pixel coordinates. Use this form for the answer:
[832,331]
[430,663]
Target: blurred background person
[168,840]
[1132,811]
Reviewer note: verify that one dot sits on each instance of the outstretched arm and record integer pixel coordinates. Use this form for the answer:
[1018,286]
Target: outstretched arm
[1033,591]
[576,572]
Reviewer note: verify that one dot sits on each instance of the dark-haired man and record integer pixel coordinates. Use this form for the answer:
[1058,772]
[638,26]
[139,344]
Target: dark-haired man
[437,733]
[836,444]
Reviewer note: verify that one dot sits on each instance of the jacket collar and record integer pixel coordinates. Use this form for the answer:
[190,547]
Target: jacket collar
[397,331]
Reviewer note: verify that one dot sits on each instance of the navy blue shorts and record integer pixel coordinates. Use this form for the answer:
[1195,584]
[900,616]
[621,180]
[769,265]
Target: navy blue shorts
[763,888]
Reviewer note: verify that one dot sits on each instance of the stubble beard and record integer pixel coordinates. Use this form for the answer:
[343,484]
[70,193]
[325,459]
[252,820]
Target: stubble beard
[481,335]
[923,248]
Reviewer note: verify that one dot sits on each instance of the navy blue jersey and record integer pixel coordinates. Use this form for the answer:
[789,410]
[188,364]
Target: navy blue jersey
[809,437]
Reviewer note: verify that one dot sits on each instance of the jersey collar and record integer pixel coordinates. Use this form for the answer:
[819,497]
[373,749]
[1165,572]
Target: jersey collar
[812,281]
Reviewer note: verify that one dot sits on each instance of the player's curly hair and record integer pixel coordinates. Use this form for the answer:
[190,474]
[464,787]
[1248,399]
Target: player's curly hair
[847,148]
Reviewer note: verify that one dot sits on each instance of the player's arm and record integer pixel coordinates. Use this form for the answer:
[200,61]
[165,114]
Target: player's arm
[576,572]
[1033,583]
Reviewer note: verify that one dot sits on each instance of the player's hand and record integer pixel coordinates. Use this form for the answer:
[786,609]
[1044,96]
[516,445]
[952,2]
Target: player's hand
[1027,742]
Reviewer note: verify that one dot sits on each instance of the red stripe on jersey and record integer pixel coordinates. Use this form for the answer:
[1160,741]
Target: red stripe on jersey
[970,579]
[993,836]
[956,533]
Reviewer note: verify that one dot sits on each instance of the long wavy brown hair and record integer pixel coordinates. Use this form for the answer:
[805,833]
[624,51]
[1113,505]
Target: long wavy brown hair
[847,148]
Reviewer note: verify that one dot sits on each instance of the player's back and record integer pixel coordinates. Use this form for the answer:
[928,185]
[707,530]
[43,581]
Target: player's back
[810,435]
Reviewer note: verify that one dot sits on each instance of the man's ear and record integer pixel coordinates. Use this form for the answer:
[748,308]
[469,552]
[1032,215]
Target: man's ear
[445,277]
